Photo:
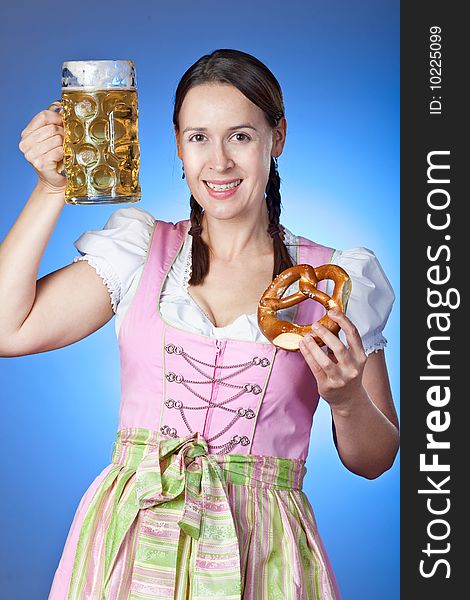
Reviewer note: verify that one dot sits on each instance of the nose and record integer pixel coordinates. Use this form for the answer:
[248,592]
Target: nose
[220,159]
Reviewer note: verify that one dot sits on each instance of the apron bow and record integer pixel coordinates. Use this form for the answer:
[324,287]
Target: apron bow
[177,466]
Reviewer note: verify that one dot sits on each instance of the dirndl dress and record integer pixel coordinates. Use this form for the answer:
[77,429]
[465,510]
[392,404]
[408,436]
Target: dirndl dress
[199,501]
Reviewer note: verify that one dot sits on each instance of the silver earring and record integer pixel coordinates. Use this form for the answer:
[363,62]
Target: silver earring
[183,176]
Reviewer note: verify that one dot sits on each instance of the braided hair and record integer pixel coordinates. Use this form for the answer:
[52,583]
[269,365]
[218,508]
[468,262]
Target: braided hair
[255,81]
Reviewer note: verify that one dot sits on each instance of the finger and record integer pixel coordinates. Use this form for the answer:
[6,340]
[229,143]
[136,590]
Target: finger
[54,156]
[350,331]
[41,134]
[43,147]
[331,340]
[52,162]
[310,360]
[56,106]
[49,162]
[45,117]
[36,155]
[317,353]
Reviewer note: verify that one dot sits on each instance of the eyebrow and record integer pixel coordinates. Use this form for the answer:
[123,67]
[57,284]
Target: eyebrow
[244,126]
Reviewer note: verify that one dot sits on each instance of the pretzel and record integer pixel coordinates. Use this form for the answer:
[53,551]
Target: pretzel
[287,335]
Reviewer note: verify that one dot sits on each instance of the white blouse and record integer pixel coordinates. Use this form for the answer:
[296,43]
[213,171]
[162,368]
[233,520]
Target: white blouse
[118,251]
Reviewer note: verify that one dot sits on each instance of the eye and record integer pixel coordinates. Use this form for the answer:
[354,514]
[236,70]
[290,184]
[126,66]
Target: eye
[244,137]
[196,135]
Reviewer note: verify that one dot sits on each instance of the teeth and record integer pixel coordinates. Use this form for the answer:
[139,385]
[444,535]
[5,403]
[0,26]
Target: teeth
[221,188]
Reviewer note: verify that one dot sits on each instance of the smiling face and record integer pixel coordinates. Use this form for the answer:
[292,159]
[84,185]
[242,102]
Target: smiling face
[226,145]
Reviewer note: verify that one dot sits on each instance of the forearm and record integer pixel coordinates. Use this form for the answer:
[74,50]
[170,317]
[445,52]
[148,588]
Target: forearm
[366,440]
[21,252]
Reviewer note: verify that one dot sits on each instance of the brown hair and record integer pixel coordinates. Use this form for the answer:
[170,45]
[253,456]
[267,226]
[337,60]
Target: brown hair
[255,81]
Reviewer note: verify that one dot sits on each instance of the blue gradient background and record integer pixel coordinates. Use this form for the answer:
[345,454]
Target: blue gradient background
[338,65]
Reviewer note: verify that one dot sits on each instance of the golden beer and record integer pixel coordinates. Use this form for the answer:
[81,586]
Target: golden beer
[101,144]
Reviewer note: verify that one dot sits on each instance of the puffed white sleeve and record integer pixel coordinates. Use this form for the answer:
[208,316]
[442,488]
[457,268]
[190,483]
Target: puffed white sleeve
[372,295]
[118,250]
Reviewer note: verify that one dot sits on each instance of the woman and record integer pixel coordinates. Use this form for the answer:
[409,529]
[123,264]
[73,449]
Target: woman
[204,494]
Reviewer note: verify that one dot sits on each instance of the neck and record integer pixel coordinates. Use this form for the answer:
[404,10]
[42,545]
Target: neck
[240,237]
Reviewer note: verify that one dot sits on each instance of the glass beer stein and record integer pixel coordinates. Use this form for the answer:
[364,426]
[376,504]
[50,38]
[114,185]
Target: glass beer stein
[101,144]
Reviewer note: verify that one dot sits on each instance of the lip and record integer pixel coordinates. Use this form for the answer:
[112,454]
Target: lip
[225,193]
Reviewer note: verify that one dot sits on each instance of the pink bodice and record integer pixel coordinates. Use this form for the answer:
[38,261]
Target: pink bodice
[242,397]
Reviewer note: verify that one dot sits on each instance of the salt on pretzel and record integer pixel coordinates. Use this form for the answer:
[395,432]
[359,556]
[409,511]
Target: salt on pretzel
[288,335]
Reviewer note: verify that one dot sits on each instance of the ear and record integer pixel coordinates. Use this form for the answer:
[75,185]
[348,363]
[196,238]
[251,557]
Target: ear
[279,137]
[178,146]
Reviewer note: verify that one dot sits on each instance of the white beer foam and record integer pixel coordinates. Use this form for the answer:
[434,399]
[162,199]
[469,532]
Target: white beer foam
[98,74]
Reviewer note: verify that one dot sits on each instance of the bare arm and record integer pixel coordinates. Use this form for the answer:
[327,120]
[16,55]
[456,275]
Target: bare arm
[64,306]
[365,430]
[357,388]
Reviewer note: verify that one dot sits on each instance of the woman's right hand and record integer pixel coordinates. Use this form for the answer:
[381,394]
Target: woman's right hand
[42,145]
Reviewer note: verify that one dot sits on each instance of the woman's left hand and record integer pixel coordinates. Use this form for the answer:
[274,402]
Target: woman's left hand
[339,370]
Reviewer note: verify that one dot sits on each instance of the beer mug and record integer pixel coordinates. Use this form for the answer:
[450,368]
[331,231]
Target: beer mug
[101,144]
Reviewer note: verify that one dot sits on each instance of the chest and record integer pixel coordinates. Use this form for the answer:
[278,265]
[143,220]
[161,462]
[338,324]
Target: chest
[230,290]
